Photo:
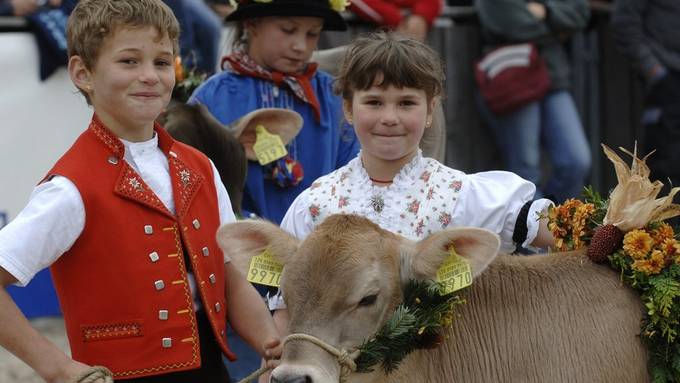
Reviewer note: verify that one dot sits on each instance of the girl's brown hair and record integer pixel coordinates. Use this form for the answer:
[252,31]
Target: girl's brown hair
[398,60]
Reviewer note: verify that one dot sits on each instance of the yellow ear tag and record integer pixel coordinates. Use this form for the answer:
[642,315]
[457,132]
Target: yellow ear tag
[265,270]
[268,147]
[454,273]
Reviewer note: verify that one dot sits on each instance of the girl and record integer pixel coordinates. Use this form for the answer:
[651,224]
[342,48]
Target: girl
[270,67]
[390,85]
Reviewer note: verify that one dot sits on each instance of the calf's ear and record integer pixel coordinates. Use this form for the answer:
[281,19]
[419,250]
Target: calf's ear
[242,240]
[478,246]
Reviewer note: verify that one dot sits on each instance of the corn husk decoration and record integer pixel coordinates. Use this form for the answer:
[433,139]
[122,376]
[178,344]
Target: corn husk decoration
[632,204]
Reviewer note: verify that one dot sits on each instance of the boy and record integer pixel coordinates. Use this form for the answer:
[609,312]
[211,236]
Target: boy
[127,219]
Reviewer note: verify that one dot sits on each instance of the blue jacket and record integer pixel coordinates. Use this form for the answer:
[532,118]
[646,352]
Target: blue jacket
[320,147]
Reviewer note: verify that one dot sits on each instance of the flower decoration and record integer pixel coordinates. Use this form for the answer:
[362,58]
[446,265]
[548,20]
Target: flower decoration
[571,223]
[185,81]
[633,202]
[628,231]
[339,5]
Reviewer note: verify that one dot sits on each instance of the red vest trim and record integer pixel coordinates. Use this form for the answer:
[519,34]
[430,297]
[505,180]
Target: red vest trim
[123,285]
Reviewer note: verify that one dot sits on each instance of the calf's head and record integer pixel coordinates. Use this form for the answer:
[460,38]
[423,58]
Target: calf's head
[343,282]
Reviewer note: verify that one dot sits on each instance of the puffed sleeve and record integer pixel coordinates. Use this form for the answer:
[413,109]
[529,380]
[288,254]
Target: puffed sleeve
[298,221]
[493,200]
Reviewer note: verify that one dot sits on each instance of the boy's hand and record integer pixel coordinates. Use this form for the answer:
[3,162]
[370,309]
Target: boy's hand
[272,352]
[76,372]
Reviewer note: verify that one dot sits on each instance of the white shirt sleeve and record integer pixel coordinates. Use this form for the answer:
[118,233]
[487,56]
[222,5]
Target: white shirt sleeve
[46,228]
[223,202]
[493,200]
[298,221]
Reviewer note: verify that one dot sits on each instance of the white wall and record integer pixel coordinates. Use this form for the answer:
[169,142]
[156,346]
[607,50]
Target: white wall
[38,120]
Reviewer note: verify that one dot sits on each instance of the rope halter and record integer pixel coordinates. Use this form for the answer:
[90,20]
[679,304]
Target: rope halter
[96,374]
[344,357]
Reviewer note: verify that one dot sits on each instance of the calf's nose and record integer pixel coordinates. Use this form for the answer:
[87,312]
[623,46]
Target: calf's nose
[292,379]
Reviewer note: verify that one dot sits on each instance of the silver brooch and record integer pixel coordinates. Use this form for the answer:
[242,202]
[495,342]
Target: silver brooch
[378,203]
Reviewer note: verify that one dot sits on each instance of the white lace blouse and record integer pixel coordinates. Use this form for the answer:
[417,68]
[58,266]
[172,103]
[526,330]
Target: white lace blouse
[425,197]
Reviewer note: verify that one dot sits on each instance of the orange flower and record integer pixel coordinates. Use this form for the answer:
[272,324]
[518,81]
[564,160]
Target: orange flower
[661,233]
[654,265]
[637,243]
[179,69]
[671,247]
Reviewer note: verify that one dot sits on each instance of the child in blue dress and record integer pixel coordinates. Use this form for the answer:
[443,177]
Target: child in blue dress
[270,67]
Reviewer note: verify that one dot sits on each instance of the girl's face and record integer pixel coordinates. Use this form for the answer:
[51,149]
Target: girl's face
[283,44]
[389,122]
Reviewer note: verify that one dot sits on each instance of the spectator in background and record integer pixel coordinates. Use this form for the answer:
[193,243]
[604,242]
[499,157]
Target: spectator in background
[201,28]
[411,17]
[646,32]
[551,123]
[22,8]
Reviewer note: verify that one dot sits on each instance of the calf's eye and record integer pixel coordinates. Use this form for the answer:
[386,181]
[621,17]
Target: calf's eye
[368,300]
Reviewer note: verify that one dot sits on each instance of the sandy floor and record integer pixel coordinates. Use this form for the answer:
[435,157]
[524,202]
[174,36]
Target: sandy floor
[13,370]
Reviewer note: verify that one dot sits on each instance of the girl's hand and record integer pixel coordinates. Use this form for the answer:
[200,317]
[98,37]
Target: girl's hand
[272,352]
[537,9]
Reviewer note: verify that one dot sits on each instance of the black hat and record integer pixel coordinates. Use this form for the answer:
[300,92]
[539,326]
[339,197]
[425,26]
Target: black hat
[332,20]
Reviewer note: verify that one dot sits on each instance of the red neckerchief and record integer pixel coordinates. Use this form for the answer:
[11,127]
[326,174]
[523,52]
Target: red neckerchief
[299,84]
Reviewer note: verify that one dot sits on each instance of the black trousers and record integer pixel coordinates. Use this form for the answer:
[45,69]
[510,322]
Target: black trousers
[212,368]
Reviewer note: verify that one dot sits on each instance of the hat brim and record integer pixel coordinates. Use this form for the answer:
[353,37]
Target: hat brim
[332,21]
[283,122]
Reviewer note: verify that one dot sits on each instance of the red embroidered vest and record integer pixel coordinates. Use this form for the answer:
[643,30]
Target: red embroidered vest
[123,285]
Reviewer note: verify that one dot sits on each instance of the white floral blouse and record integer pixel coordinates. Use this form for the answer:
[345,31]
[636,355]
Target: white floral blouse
[425,197]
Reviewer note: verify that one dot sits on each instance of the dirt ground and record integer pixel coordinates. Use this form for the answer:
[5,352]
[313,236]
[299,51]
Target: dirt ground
[13,370]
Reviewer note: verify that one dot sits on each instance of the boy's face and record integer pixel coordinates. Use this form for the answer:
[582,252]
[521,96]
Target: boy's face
[283,44]
[131,82]
[389,122]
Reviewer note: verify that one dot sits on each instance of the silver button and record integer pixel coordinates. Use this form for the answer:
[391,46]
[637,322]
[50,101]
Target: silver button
[154,257]
[148,229]
[160,285]
[218,307]
[206,252]
[163,314]
[222,332]
[196,223]
[212,278]
[172,154]
[113,160]
[166,342]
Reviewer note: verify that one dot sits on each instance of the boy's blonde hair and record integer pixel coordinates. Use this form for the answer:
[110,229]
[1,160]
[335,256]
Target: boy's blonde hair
[400,61]
[93,20]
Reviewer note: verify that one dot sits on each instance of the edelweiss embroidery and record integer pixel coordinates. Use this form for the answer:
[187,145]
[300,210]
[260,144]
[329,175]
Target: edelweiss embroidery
[135,184]
[185,177]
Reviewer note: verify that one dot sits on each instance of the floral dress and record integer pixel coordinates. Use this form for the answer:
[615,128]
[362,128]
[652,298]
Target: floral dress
[424,197]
